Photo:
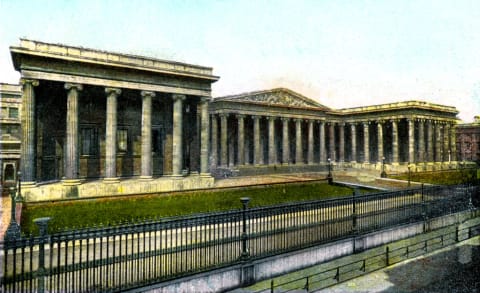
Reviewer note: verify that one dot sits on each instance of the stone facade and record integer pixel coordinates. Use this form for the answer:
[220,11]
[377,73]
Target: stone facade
[10,132]
[468,141]
[95,114]
[281,127]
[91,117]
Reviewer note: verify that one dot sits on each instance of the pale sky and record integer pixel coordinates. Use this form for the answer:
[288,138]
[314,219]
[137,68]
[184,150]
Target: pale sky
[341,53]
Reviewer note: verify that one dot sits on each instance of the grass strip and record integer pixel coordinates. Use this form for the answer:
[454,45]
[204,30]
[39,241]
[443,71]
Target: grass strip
[70,215]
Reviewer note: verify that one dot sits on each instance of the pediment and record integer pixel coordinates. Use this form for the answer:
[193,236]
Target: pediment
[276,97]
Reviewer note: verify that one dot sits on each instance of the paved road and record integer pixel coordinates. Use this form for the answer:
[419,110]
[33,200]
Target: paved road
[452,269]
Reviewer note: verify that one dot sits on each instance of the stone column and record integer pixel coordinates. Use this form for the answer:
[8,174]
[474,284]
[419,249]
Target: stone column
[285,142]
[223,140]
[366,143]
[177,156]
[204,136]
[298,140]
[111,135]
[321,133]
[331,129]
[28,119]
[341,134]
[71,144]
[438,142]
[453,144]
[394,141]
[446,142]
[256,140]
[411,140]
[430,141]
[380,141]
[272,158]
[214,150]
[421,140]
[146,172]
[310,142]
[353,131]
[241,139]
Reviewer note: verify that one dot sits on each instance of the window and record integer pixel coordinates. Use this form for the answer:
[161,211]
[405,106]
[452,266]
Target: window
[3,112]
[13,113]
[89,137]
[122,140]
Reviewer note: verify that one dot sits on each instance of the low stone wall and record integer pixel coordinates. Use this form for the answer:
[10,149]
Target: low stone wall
[255,271]
[56,191]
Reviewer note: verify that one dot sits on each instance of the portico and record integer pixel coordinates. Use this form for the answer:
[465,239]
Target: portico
[91,114]
[290,129]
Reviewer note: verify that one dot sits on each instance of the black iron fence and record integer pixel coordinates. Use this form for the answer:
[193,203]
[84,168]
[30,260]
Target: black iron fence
[328,275]
[135,255]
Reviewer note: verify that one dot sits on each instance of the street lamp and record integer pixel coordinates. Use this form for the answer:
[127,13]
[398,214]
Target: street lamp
[13,230]
[383,174]
[19,197]
[329,176]
[409,174]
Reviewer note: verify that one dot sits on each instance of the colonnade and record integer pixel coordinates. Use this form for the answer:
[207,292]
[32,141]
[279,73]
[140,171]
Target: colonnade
[71,154]
[269,140]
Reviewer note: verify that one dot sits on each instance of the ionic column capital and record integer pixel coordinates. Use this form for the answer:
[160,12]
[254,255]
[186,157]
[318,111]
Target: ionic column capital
[178,97]
[76,86]
[285,119]
[113,91]
[223,115]
[240,116]
[147,94]
[271,118]
[298,120]
[33,82]
[256,117]
[204,99]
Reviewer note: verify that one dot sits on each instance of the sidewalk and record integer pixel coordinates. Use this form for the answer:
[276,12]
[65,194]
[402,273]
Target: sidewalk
[451,269]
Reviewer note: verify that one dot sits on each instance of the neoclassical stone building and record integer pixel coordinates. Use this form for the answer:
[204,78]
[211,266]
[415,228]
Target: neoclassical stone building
[468,141]
[95,114]
[280,127]
[10,133]
[90,118]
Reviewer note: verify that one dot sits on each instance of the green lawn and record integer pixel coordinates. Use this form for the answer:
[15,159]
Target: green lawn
[440,177]
[111,211]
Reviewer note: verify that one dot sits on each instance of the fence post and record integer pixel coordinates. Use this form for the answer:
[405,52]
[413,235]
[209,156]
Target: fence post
[424,209]
[248,269]
[387,256]
[42,224]
[354,211]
[13,230]
[245,253]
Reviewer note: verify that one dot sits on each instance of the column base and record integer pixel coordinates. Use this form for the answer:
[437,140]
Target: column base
[71,182]
[111,180]
[146,178]
[205,175]
[28,184]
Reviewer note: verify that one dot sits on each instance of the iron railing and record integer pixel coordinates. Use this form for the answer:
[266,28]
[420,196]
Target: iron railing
[134,255]
[327,275]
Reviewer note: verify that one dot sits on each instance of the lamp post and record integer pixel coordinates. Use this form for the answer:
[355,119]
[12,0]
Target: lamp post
[329,176]
[383,174]
[13,230]
[19,197]
[408,166]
